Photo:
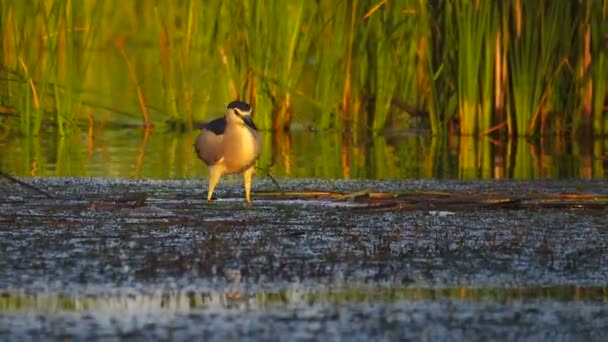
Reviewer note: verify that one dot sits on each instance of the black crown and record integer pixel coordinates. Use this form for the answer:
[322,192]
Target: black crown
[240,105]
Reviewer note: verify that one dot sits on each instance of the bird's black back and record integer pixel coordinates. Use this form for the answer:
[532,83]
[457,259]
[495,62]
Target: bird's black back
[217,126]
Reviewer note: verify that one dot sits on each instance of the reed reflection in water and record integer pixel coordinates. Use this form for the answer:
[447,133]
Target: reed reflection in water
[214,300]
[135,153]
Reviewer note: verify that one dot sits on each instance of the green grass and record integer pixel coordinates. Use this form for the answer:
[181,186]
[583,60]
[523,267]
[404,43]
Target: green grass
[598,15]
[476,28]
[515,67]
[539,50]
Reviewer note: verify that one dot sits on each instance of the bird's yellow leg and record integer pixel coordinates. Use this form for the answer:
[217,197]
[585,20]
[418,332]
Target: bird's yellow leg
[215,172]
[247,175]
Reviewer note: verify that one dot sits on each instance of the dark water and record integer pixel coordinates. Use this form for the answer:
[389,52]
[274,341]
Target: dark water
[150,259]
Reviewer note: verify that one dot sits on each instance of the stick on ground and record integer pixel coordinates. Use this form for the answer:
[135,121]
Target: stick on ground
[25,185]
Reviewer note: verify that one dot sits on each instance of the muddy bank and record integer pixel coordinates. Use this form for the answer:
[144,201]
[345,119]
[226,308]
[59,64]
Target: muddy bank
[314,266]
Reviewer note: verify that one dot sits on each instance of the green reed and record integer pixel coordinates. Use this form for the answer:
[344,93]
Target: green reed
[17,29]
[382,63]
[391,52]
[599,65]
[330,52]
[476,26]
[436,91]
[536,55]
[278,45]
[192,50]
[363,64]
[412,55]
[52,70]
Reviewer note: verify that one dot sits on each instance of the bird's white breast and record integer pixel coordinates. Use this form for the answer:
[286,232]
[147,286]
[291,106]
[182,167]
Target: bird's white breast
[241,148]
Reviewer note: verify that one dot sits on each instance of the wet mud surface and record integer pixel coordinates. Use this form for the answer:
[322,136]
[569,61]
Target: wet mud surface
[148,259]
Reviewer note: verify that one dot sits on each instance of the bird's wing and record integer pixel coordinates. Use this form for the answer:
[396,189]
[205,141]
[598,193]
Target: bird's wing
[208,145]
[217,126]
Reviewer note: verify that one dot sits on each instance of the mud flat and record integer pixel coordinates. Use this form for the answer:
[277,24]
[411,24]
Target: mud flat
[150,259]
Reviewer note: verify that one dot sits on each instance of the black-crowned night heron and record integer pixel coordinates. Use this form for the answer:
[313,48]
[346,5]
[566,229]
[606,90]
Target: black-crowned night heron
[230,144]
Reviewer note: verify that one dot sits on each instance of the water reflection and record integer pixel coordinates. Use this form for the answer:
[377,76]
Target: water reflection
[302,154]
[185,300]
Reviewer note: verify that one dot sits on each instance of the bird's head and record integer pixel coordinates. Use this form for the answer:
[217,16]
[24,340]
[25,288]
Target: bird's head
[237,111]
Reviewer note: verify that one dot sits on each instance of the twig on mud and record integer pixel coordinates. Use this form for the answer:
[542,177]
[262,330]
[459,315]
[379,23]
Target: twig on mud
[127,201]
[24,184]
[436,201]
[274,181]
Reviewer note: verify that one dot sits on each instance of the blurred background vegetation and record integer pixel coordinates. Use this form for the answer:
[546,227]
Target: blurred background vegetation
[362,71]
